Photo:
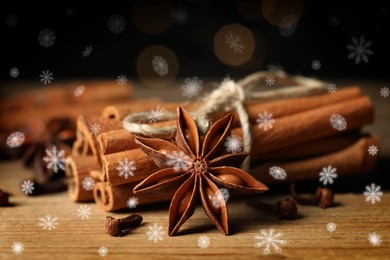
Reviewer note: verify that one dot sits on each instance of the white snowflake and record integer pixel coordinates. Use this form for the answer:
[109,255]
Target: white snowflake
[374,239]
[359,50]
[219,198]
[288,25]
[270,80]
[55,160]
[121,79]
[14,72]
[332,88]
[88,183]
[180,16]
[233,144]
[384,92]
[270,240]
[373,193]
[46,77]
[84,211]
[95,129]
[316,64]
[372,150]
[331,227]
[277,172]
[17,248]
[103,251]
[87,51]
[160,65]
[334,19]
[155,233]
[265,120]
[338,122]
[126,168]
[46,38]
[203,241]
[132,202]
[79,91]
[27,186]
[15,139]
[156,114]
[116,23]
[192,87]
[179,161]
[11,20]
[233,41]
[48,223]
[328,174]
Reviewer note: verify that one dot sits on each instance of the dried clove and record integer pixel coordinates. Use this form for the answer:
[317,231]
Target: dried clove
[283,209]
[323,197]
[4,198]
[115,227]
[44,188]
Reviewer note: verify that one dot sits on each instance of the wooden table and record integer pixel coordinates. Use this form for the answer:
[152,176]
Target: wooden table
[306,237]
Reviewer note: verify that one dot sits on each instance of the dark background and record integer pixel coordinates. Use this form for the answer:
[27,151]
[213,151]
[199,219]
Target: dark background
[78,25]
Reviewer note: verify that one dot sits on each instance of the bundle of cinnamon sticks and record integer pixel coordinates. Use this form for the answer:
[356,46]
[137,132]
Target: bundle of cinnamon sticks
[302,141]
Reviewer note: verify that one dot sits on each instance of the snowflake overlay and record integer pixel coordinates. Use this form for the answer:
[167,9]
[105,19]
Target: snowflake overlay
[372,150]
[332,88]
[234,42]
[265,120]
[384,92]
[179,161]
[121,79]
[46,38]
[233,144]
[359,50]
[83,212]
[278,173]
[15,139]
[334,19]
[132,202]
[328,174]
[55,160]
[17,248]
[331,227]
[374,239]
[316,64]
[46,77]
[116,23]
[288,25]
[126,168]
[95,129]
[270,240]
[160,65]
[79,91]
[338,122]
[156,114]
[14,72]
[87,51]
[88,183]
[270,80]
[11,20]
[103,251]
[27,187]
[48,223]
[155,233]
[180,16]
[203,241]
[192,87]
[220,198]
[373,193]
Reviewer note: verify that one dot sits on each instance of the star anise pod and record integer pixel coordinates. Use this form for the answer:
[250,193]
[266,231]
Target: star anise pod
[196,167]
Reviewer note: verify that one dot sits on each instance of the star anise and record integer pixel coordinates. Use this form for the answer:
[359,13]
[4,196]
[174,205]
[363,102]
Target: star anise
[197,167]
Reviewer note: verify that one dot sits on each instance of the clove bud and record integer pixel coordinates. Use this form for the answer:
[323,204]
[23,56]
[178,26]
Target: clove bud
[4,198]
[115,227]
[323,197]
[283,209]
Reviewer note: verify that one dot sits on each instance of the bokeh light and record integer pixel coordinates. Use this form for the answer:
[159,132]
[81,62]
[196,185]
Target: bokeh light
[275,10]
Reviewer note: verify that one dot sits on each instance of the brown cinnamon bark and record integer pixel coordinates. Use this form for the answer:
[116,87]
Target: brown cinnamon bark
[110,198]
[77,169]
[352,160]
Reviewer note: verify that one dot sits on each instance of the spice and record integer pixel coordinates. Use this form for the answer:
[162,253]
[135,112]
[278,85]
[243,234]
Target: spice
[115,227]
[323,197]
[283,209]
[4,198]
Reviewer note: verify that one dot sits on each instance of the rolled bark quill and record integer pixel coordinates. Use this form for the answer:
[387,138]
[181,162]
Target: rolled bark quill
[77,169]
[352,160]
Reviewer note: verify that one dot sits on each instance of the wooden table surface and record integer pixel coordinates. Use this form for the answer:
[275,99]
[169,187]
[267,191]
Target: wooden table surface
[306,237]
